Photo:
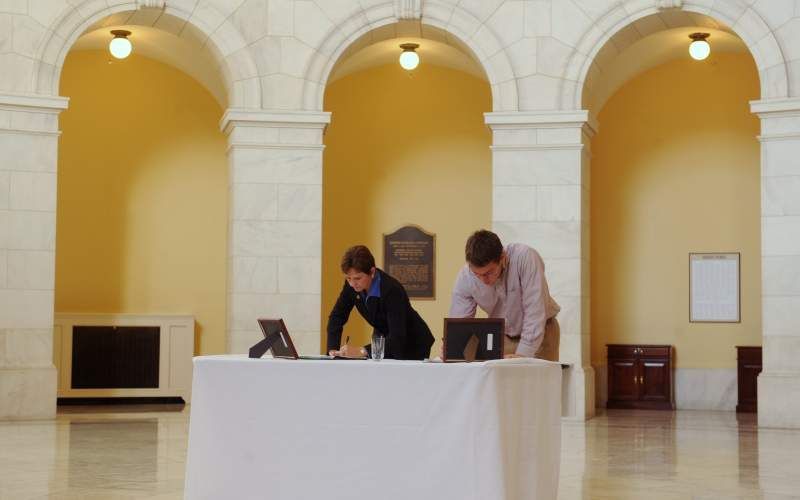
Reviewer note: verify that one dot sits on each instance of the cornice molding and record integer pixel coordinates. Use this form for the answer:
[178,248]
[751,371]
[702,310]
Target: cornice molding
[34,103]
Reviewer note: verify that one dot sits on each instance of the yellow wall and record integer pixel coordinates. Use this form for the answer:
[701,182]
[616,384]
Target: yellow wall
[142,194]
[404,150]
[675,169]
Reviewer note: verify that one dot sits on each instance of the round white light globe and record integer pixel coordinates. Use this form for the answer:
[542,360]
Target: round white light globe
[699,49]
[120,47]
[409,60]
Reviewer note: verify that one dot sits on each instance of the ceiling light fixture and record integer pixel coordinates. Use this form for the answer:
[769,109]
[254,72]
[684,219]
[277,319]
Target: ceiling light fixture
[120,47]
[699,49]
[409,59]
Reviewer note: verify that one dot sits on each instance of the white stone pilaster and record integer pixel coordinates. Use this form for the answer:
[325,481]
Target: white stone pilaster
[779,382]
[275,224]
[29,152]
[541,198]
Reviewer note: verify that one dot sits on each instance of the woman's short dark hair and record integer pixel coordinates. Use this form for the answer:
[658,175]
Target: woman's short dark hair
[359,258]
[483,247]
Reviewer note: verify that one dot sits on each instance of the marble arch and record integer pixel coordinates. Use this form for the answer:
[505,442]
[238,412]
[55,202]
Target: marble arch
[227,46]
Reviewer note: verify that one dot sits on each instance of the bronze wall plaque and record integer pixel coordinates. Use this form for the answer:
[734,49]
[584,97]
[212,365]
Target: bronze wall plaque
[409,255]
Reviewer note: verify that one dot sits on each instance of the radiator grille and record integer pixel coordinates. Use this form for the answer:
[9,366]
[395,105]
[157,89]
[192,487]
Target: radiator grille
[109,357]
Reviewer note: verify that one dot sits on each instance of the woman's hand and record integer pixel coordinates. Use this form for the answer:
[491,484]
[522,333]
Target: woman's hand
[349,351]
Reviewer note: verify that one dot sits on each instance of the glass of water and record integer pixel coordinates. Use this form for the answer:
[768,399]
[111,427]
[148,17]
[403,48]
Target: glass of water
[378,344]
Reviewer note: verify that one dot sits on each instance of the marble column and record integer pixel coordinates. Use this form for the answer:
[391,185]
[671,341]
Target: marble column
[541,198]
[779,382]
[28,160]
[275,224]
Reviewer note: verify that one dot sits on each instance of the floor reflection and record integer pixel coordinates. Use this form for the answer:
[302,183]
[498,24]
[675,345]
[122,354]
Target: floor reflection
[703,455]
[96,453]
[136,452]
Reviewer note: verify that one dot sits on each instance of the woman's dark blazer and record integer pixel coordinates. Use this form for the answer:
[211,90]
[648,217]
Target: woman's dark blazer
[407,334]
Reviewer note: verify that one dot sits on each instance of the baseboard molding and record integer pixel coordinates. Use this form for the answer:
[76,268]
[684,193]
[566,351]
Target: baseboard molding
[28,393]
[695,388]
[120,401]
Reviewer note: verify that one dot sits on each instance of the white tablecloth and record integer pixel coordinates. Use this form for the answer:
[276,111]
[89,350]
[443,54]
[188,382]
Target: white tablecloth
[405,430]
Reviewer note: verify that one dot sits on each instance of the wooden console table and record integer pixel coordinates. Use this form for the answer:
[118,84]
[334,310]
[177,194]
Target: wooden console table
[640,376]
[748,363]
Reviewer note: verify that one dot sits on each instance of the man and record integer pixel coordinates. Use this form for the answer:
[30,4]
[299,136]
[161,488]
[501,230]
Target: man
[384,303]
[508,283]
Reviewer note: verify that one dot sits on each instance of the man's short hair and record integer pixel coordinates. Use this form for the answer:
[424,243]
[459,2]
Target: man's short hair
[359,258]
[483,247]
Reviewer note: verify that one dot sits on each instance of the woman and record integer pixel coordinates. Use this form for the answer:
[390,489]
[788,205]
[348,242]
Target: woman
[383,302]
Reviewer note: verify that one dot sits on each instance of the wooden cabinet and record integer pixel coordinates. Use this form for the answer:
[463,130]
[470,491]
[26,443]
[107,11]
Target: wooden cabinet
[640,376]
[748,361]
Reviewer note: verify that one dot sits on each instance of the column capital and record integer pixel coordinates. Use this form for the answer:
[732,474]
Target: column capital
[780,118]
[31,113]
[537,130]
[266,129]
[769,108]
[499,120]
[241,117]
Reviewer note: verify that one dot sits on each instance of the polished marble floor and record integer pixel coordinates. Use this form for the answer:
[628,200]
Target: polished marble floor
[139,452]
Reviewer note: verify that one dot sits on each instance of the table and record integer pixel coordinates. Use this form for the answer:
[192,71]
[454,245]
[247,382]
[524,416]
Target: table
[347,429]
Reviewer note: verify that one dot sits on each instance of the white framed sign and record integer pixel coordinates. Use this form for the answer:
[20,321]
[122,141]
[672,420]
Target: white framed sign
[714,288]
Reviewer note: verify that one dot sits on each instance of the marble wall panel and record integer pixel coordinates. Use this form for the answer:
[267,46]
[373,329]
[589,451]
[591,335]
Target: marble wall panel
[32,191]
[26,309]
[5,190]
[778,400]
[564,277]
[779,352]
[297,202]
[781,157]
[535,167]
[27,348]
[31,270]
[253,275]
[299,275]
[514,203]
[780,235]
[254,201]
[275,238]
[280,166]
[28,152]
[551,239]
[780,275]
[559,203]
[538,18]
[299,311]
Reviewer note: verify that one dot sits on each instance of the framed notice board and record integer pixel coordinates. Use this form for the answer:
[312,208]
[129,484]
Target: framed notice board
[409,254]
[714,288]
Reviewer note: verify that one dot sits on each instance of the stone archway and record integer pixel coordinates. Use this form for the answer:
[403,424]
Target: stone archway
[446,17]
[228,47]
[779,149]
[27,313]
[743,20]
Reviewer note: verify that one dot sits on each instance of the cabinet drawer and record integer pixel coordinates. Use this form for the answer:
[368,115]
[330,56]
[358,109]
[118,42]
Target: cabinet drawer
[658,352]
[629,351]
[622,351]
